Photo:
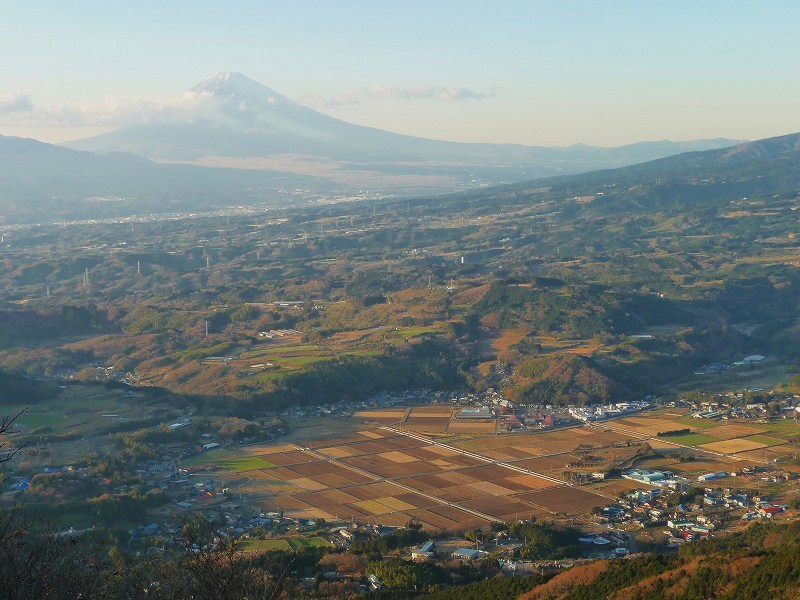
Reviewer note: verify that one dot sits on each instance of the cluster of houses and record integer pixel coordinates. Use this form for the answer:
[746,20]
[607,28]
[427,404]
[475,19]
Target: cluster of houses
[639,507]
[686,522]
[607,411]
[665,479]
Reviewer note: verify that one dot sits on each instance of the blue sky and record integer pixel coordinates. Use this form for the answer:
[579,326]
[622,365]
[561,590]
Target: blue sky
[539,73]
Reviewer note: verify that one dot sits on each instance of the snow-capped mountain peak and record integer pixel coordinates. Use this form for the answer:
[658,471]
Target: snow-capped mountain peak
[239,87]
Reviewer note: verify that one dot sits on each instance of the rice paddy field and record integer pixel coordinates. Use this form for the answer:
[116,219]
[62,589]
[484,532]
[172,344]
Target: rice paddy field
[382,476]
[452,478]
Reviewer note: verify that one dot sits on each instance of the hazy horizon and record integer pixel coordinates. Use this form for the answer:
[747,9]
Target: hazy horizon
[537,74]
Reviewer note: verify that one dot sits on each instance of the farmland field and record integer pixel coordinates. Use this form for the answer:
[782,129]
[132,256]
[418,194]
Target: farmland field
[690,439]
[471,427]
[379,476]
[383,475]
[208,458]
[733,446]
[249,463]
[727,432]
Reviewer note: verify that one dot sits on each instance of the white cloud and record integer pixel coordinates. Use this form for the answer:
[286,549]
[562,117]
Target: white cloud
[448,93]
[11,102]
[111,112]
[19,110]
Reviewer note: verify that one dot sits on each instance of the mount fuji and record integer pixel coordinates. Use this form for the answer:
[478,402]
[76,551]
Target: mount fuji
[231,121]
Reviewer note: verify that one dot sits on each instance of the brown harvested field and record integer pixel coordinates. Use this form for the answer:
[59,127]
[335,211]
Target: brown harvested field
[395,503]
[595,436]
[536,483]
[770,453]
[421,486]
[478,427]
[263,475]
[304,483]
[504,508]
[427,453]
[648,425]
[730,431]
[320,502]
[465,492]
[530,441]
[442,451]
[365,435]
[414,498]
[436,480]
[429,424]
[490,488]
[282,459]
[372,507]
[733,446]
[338,496]
[456,462]
[509,338]
[379,446]
[398,457]
[292,507]
[372,490]
[485,367]
[375,434]
[486,472]
[770,440]
[385,415]
[531,482]
[562,440]
[657,444]
[547,463]
[373,463]
[432,411]
[455,520]
[339,440]
[451,513]
[512,453]
[289,501]
[338,451]
[456,478]
[337,480]
[318,467]
[264,449]
[280,473]
[565,499]
[311,487]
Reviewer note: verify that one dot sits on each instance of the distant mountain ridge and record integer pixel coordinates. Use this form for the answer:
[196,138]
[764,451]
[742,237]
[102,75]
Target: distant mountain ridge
[43,182]
[233,116]
[764,167]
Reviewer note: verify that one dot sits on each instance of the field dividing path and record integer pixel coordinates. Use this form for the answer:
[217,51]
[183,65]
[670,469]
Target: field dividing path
[645,437]
[406,488]
[492,461]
